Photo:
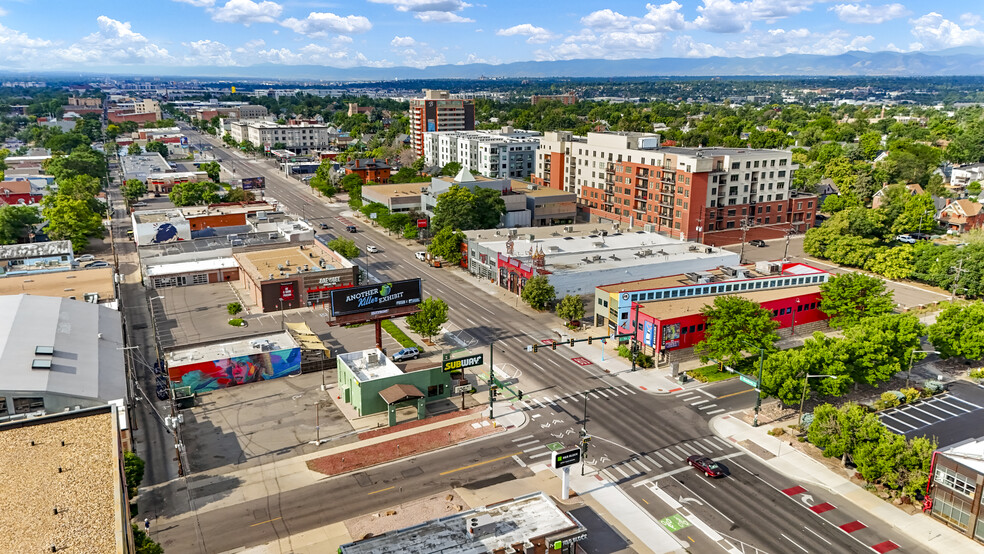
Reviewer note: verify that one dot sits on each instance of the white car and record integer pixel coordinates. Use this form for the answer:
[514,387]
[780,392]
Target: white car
[85,258]
[422,256]
[906,239]
[372,249]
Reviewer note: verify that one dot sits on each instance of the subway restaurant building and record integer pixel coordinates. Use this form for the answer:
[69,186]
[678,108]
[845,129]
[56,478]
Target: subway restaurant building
[372,383]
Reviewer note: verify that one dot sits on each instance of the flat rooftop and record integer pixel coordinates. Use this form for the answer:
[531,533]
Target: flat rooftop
[523,187]
[255,344]
[87,492]
[158,216]
[63,283]
[396,191]
[668,309]
[210,264]
[969,453]
[35,249]
[717,275]
[499,526]
[226,209]
[261,264]
[364,371]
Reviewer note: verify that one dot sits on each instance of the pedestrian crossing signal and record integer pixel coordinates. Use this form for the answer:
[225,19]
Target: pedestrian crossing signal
[572,342]
[536,347]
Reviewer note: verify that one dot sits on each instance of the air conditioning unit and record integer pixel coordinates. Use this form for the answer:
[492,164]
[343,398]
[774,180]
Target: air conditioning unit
[649,228]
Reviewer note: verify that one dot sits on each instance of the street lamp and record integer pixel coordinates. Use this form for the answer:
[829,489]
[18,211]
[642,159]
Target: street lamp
[803,398]
[912,355]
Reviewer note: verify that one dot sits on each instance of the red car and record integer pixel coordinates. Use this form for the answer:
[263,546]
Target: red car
[706,465]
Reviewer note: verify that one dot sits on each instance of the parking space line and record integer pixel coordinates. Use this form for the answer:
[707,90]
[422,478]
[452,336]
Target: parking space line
[935,407]
[907,414]
[951,397]
[900,421]
[961,408]
[899,431]
[927,413]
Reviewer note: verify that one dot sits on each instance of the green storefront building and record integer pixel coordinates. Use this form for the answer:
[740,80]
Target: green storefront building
[371,383]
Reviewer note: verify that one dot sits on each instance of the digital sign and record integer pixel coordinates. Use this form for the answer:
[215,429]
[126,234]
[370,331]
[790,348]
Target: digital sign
[566,458]
[375,298]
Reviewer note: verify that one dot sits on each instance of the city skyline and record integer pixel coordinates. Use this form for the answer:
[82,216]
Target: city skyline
[422,33]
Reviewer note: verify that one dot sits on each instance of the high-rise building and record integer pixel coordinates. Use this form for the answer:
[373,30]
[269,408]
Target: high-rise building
[505,153]
[437,111]
[703,194]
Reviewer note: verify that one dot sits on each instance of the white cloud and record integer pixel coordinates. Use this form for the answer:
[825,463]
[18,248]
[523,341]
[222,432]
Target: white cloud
[658,18]
[534,34]
[934,31]
[114,42]
[402,42]
[607,19]
[318,24]
[442,17]
[685,46]
[868,14]
[247,12]
[970,19]
[777,42]
[425,5]
[3,12]
[208,52]
[198,3]
[726,16]
[611,45]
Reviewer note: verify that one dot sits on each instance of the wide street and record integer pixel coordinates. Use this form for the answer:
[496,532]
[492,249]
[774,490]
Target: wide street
[639,439]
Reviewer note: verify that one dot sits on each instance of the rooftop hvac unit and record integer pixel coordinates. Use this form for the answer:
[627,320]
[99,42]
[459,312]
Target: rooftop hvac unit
[271,276]
[569,229]
[280,267]
[287,262]
[372,358]
[649,228]
[729,271]
[604,233]
[693,277]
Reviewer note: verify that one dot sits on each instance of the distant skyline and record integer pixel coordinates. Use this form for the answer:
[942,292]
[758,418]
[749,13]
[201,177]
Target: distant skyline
[39,35]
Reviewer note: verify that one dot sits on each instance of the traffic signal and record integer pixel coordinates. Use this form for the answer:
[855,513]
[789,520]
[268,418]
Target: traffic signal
[536,347]
[520,395]
[493,391]
[572,342]
[553,345]
[589,340]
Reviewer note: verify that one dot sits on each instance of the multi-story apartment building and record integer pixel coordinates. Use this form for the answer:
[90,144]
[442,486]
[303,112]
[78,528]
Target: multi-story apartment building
[437,111]
[505,153]
[702,194]
[301,139]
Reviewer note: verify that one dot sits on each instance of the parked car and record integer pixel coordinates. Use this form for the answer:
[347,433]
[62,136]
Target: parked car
[709,467]
[162,393]
[323,225]
[85,258]
[350,228]
[908,239]
[97,263]
[406,354]
[757,242]
[920,236]
[371,249]
[422,256]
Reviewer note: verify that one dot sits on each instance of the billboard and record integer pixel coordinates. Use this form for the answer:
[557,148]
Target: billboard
[371,298]
[251,183]
[237,370]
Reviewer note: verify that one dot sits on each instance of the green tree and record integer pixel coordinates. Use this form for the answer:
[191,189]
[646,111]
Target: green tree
[133,190]
[239,195]
[83,160]
[194,193]
[538,292]
[345,247]
[850,297]
[234,308]
[959,331]
[881,346]
[974,188]
[735,325]
[133,469]
[322,181]
[134,149]
[570,308]
[16,223]
[446,245]
[428,321]
[212,169]
[454,209]
[487,208]
[157,146]
[451,169]
[418,164]
[351,182]
[838,431]
[144,544]
[71,219]
[870,144]
[784,371]
[917,216]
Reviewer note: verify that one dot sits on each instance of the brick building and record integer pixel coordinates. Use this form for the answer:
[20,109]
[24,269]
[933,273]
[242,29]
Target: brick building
[955,487]
[437,111]
[962,215]
[370,169]
[701,194]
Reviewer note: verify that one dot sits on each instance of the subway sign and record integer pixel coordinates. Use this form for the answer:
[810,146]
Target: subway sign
[375,298]
[463,363]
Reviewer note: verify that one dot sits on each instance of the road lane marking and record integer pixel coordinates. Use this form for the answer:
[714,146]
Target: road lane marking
[715,412]
[736,393]
[462,468]
[665,459]
[547,453]
[524,438]
[712,443]
[274,519]
[383,490]
[794,542]
[522,444]
[599,391]
[657,464]
[519,461]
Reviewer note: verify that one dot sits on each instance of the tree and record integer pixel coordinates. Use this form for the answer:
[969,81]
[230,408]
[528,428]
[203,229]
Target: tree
[345,247]
[157,146]
[451,169]
[428,321]
[132,190]
[418,164]
[350,182]
[974,188]
[570,308]
[134,149]
[83,160]
[838,431]
[133,469]
[239,195]
[446,245]
[16,223]
[881,347]
[850,297]
[487,208]
[194,193]
[454,209]
[538,292]
[212,169]
[735,325]
[959,331]
[143,543]
[71,219]
[784,371]
[234,308]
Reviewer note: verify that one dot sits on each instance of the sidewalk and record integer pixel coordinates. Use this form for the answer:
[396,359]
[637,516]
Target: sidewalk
[794,464]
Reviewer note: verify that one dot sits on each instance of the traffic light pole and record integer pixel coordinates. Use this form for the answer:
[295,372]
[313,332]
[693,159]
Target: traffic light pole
[491,381]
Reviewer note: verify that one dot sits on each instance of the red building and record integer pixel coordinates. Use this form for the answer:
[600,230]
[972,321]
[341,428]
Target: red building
[18,192]
[119,117]
[371,170]
[676,325]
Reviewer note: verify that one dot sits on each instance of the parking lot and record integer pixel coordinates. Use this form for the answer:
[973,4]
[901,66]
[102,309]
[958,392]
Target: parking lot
[951,417]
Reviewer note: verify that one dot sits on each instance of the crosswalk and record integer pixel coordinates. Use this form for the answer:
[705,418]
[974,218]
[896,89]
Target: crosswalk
[662,459]
[553,400]
[700,400]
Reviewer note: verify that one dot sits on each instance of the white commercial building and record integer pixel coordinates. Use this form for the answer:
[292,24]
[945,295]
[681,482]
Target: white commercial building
[505,153]
[301,139]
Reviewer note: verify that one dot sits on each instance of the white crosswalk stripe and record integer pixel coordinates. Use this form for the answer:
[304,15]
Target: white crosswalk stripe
[715,412]
[593,395]
[541,454]
[674,454]
[539,404]
[691,397]
[601,392]
[535,448]
[645,468]
[712,443]
[665,459]
[524,404]
[630,390]
[699,402]
[620,470]
[522,444]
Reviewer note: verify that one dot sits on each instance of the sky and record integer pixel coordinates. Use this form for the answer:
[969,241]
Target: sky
[37,35]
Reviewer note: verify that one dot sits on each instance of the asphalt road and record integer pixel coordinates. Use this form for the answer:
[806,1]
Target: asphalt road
[638,438]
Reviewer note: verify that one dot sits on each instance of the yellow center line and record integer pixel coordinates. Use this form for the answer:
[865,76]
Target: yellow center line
[646,501]
[734,394]
[267,521]
[482,463]
[691,539]
[383,490]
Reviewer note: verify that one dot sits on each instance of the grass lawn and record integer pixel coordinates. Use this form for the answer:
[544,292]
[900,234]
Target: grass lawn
[710,373]
[399,335]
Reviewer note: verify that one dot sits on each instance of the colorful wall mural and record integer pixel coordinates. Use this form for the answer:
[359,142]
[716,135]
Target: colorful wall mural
[230,372]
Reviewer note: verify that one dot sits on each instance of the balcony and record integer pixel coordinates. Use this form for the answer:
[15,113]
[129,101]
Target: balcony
[639,207]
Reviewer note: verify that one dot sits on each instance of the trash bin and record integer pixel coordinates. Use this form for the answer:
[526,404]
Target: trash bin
[683,378]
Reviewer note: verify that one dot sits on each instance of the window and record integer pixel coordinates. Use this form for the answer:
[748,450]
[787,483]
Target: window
[735,165]
[782,162]
[28,404]
[952,479]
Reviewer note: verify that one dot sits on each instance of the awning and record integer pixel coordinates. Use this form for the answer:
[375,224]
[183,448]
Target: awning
[400,393]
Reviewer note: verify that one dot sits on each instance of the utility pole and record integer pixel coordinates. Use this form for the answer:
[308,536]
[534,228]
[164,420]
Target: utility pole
[491,381]
[745,226]
[635,335]
[785,252]
[957,270]
[584,432]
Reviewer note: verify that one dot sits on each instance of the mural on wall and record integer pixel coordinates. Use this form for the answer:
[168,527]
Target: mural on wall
[230,372]
[165,232]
